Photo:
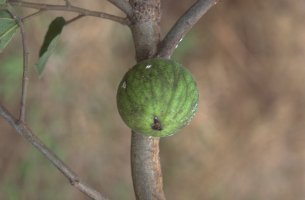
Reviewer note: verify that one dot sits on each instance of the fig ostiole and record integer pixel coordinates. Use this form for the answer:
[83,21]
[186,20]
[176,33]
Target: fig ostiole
[157,97]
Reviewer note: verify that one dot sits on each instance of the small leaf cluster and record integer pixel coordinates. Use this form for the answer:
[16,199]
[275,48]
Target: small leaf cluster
[50,42]
[9,26]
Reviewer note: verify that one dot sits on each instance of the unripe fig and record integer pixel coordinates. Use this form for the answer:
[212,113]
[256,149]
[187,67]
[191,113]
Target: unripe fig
[157,97]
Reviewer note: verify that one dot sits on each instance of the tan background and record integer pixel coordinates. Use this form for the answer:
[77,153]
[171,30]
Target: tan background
[245,143]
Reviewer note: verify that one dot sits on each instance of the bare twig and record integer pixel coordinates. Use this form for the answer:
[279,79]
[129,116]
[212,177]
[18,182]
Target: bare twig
[74,19]
[69,8]
[32,15]
[123,5]
[27,133]
[183,26]
[25,76]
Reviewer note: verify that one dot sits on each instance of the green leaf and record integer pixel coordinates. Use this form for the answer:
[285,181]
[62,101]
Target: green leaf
[8,27]
[50,42]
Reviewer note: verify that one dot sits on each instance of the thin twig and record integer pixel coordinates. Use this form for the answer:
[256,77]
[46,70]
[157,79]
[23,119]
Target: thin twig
[25,76]
[73,19]
[122,5]
[27,133]
[69,8]
[183,26]
[33,14]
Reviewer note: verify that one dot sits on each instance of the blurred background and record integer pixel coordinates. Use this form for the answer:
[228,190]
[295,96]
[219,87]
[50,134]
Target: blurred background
[245,143]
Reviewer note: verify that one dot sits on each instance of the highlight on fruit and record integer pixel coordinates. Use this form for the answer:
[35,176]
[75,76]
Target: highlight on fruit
[157,97]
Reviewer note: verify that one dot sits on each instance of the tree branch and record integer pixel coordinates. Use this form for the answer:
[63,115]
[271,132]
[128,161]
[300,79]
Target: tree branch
[25,75]
[145,161]
[73,19]
[146,167]
[32,15]
[69,8]
[183,26]
[145,27]
[27,133]
[122,5]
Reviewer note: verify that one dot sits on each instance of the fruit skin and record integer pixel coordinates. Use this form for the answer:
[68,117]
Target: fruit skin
[157,97]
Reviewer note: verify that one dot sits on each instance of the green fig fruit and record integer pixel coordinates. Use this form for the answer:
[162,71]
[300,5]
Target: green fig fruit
[157,97]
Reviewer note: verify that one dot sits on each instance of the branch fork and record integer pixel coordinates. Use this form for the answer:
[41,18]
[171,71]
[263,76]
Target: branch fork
[68,7]
[143,18]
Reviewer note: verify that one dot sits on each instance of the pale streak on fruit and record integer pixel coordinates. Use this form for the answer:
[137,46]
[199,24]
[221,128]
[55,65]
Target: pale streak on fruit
[195,108]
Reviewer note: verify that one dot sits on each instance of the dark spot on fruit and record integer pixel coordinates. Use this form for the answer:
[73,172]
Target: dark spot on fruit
[156,125]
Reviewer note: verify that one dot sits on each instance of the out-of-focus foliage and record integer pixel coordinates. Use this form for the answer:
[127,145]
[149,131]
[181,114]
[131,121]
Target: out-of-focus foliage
[246,141]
